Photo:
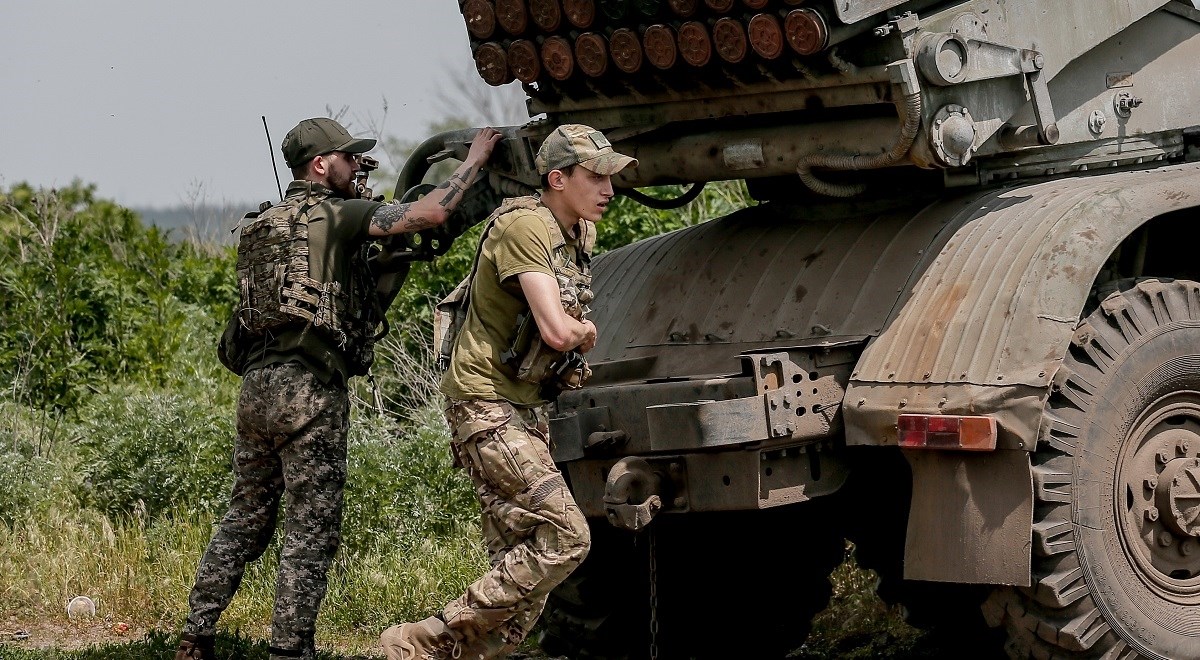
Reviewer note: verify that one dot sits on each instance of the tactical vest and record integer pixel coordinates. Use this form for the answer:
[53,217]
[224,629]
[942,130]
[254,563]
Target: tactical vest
[532,359]
[278,291]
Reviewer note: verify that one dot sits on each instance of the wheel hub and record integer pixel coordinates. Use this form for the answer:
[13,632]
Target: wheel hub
[1159,501]
[1178,496]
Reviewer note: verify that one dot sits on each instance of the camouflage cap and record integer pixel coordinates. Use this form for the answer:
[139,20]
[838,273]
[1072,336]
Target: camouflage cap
[572,144]
[320,135]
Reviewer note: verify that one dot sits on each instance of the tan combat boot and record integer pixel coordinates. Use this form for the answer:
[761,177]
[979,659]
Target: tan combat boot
[195,647]
[424,640]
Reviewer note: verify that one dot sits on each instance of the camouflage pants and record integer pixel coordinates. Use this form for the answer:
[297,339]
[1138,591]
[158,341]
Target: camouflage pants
[291,445]
[535,533]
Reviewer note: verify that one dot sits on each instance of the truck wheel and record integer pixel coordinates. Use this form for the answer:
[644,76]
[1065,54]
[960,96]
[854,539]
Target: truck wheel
[1116,566]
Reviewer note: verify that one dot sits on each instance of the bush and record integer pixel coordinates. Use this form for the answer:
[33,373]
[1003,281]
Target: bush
[153,451]
[36,468]
[87,294]
[402,489]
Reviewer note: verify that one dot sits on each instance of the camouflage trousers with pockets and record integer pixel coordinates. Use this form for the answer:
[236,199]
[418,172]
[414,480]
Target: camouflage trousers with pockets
[291,446]
[535,533]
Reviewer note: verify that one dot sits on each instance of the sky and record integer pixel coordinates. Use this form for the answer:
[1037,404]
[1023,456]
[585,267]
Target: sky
[160,102]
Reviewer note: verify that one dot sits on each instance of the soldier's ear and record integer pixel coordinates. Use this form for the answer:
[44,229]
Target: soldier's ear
[556,180]
[319,165]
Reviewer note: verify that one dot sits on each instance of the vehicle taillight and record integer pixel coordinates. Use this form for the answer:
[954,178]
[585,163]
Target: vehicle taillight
[973,433]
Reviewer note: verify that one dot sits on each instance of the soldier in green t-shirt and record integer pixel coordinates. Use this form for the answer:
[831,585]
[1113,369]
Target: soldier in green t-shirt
[305,323]
[523,337]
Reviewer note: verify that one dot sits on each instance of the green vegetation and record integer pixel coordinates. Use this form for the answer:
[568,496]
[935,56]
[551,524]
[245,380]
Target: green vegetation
[116,426]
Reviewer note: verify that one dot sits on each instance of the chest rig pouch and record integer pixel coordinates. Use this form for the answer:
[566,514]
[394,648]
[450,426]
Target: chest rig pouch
[536,362]
[278,291]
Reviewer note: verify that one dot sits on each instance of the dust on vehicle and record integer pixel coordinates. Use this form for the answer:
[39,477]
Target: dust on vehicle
[958,327]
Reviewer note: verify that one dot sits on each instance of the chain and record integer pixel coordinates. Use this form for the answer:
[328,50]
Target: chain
[653,595]
[376,394]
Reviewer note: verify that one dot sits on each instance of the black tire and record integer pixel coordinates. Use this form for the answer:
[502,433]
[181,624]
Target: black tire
[1110,579]
[743,585]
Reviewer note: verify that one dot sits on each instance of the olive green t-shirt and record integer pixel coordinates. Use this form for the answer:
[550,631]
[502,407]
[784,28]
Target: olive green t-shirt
[337,228]
[520,241]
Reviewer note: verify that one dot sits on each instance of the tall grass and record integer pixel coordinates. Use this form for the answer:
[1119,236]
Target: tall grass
[411,541]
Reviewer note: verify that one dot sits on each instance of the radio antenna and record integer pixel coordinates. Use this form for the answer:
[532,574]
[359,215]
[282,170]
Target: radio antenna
[271,149]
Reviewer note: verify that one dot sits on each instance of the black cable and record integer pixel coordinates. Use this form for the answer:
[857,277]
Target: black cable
[663,204]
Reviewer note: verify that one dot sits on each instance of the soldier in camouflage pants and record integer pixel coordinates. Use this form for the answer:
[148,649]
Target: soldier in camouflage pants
[532,263]
[291,443]
[534,531]
[309,310]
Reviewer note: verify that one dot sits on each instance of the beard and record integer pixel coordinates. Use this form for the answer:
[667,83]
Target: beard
[342,185]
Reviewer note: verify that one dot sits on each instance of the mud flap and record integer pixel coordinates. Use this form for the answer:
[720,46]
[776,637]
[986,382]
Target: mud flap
[971,518]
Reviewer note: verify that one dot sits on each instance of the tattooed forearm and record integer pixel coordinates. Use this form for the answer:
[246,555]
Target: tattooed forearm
[455,186]
[451,199]
[389,215]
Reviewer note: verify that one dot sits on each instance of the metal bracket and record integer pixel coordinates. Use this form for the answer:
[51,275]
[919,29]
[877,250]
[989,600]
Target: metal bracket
[951,59]
[789,393]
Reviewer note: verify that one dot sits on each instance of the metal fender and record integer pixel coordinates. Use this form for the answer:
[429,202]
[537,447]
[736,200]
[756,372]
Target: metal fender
[981,329]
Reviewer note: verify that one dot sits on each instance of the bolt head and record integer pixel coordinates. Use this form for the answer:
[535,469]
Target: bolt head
[1165,539]
[1152,514]
[1039,61]
[1152,483]
[1186,547]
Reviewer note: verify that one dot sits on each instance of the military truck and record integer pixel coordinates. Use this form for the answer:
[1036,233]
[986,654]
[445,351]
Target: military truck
[959,325]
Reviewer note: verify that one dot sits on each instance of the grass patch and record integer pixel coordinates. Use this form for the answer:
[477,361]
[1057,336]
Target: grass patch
[154,646]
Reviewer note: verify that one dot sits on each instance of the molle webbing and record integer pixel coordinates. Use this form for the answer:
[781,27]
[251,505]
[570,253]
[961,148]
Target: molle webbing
[273,275]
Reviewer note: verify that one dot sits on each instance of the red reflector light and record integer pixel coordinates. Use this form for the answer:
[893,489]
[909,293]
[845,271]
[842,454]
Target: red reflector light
[973,433]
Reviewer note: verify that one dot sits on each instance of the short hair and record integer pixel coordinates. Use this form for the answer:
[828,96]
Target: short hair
[568,170]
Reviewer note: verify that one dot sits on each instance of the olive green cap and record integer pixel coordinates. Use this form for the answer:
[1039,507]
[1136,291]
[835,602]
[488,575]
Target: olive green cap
[576,144]
[318,136]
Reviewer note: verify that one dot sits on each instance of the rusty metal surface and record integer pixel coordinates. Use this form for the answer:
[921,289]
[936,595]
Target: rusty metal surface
[524,60]
[737,480]
[591,51]
[970,518]
[800,405]
[626,50]
[729,35]
[994,305]
[771,275]
[997,303]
